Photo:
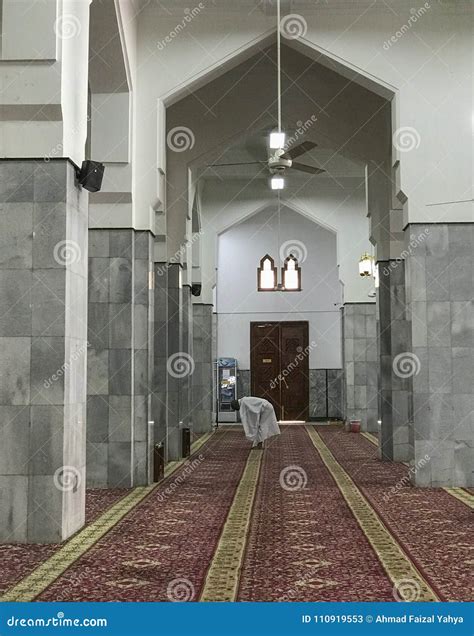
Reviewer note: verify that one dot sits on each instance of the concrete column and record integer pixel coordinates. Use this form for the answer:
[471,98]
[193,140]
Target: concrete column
[394,377]
[202,376]
[120,310]
[186,401]
[360,363]
[440,297]
[175,365]
[43,344]
[159,415]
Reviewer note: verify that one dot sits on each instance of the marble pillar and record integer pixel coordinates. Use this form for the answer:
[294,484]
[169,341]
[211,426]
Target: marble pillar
[440,293]
[202,377]
[396,361]
[176,365]
[186,386]
[43,346]
[120,354]
[360,364]
[160,346]
[326,394]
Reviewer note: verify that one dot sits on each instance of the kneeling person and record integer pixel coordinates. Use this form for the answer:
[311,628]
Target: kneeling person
[258,419]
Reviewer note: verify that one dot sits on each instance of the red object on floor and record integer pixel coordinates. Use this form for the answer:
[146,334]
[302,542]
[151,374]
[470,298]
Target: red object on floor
[355,426]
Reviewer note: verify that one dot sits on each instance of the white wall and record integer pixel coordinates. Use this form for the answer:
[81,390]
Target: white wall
[239,303]
[338,204]
[43,87]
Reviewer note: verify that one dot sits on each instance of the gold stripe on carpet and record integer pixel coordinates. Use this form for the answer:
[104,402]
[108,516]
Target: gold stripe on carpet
[395,562]
[45,574]
[222,579]
[371,437]
[462,495]
[459,493]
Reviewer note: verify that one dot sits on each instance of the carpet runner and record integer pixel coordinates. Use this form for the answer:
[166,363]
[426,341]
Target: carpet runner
[18,560]
[161,550]
[434,528]
[304,543]
[314,517]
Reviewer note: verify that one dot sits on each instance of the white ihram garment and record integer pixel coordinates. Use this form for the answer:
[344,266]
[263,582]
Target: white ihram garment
[258,419]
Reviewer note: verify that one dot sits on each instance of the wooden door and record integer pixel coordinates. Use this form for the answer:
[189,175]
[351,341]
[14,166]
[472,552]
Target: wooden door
[279,367]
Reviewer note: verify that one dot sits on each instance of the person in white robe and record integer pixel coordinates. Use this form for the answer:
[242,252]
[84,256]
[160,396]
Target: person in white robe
[258,419]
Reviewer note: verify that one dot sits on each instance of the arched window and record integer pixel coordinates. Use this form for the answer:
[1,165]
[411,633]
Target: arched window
[267,274]
[291,274]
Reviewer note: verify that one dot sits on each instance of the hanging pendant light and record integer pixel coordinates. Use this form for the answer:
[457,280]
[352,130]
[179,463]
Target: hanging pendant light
[277,140]
[277,183]
[267,277]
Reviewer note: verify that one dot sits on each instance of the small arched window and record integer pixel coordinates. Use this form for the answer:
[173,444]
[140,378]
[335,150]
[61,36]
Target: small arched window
[266,274]
[291,274]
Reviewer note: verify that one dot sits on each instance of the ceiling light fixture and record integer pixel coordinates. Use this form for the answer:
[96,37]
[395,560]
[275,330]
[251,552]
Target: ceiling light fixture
[277,183]
[277,140]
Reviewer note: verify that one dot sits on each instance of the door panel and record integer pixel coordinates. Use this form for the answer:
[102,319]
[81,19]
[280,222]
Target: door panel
[280,367]
[265,362]
[295,370]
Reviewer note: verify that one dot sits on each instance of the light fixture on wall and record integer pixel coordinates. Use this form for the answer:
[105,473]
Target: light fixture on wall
[366,265]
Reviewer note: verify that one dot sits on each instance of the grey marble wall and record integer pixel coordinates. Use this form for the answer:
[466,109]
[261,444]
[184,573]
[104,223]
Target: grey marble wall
[120,355]
[43,345]
[394,346]
[325,391]
[326,394]
[440,297]
[360,363]
[202,377]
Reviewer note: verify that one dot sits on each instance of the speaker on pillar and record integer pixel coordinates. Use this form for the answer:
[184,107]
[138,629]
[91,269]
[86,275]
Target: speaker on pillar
[196,289]
[90,175]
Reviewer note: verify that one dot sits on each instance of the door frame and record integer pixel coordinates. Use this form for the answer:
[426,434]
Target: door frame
[278,324]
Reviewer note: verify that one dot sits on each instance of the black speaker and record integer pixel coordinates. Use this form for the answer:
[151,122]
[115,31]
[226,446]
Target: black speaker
[196,289]
[90,175]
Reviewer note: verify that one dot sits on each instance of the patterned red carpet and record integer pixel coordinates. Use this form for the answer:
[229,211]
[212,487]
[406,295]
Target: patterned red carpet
[162,549]
[314,517]
[305,544]
[19,560]
[434,528]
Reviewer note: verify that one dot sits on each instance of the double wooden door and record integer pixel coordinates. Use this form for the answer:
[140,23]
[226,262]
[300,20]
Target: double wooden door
[279,367]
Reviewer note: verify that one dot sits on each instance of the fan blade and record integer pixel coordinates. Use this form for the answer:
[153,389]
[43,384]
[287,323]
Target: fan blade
[304,168]
[243,163]
[300,149]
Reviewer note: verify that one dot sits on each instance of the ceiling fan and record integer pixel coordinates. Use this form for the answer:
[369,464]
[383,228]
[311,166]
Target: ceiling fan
[280,158]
